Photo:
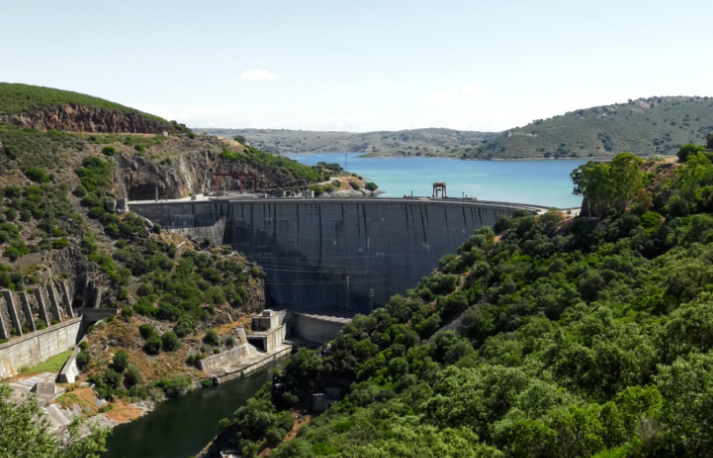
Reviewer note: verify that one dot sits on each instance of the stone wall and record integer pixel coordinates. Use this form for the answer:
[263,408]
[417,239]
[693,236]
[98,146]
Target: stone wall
[39,346]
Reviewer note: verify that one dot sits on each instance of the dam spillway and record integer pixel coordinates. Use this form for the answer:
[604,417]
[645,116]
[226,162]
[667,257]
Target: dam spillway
[317,254]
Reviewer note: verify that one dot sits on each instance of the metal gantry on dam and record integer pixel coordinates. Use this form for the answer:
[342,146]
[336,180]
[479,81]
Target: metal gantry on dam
[327,253]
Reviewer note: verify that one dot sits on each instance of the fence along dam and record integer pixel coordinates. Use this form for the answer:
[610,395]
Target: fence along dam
[327,253]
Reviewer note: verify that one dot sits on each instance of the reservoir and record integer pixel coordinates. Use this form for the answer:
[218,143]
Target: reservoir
[180,428]
[538,182]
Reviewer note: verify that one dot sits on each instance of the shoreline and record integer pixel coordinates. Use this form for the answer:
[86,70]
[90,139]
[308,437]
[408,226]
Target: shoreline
[366,156]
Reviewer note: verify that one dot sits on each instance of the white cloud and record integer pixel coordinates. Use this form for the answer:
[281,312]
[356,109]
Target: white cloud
[372,75]
[468,90]
[257,74]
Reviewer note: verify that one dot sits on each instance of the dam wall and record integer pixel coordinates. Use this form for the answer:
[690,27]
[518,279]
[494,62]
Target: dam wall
[326,253]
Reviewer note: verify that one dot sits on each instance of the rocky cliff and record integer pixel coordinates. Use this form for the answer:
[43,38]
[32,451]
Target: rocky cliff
[82,118]
[193,172]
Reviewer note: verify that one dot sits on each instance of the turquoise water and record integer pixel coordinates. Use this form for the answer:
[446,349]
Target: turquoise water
[544,182]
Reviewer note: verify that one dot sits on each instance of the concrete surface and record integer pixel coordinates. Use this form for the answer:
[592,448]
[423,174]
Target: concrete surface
[333,252]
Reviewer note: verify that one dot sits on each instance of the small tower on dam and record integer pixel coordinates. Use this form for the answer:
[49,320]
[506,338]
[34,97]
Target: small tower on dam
[439,187]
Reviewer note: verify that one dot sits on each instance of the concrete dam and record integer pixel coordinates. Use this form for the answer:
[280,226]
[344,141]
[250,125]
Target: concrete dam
[351,254]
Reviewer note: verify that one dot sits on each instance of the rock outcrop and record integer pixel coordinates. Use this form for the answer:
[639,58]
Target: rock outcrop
[81,118]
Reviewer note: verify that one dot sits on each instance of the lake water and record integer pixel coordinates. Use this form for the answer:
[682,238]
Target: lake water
[179,428]
[543,182]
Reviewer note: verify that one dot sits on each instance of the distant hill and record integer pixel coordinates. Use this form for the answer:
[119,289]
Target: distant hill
[416,142]
[657,125]
[55,109]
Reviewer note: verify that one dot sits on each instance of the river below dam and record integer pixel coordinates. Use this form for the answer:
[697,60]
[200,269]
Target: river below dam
[538,182]
[180,428]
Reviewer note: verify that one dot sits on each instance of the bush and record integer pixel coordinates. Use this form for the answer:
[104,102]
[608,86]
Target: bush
[230,342]
[175,387]
[318,190]
[250,449]
[108,151]
[146,331]
[132,376]
[40,325]
[36,174]
[170,341]
[120,361]
[111,379]
[12,152]
[502,224]
[83,345]
[371,186]
[83,359]
[689,149]
[153,345]
[328,188]
[211,337]
[274,436]
[355,186]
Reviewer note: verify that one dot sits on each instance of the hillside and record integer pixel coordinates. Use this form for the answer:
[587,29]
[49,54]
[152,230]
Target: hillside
[179,297]
[416,142]
[47,108]
[658,125]
[542,337]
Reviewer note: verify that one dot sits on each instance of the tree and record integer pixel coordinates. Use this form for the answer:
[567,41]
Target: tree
[24,432]
[687,150]
[604,185]
[240,139]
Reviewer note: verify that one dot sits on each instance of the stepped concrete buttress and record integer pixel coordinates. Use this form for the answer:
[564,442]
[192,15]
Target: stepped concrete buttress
[28,310]
[65,299]
[54,303]
[10,304]
[42,306]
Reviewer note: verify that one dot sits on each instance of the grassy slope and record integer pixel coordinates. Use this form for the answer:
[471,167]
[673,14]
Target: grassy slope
[644,126]
[415,142]
[21,98]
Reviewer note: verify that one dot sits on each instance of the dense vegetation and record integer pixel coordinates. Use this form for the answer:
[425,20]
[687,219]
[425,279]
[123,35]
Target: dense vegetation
[576,338]
[278,164]
[22,98]
[658,125]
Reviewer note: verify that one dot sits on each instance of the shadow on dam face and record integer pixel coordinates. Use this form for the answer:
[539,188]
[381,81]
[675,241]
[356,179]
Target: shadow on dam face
[329,253]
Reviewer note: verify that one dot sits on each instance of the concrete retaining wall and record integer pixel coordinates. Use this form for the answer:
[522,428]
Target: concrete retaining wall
[39,346]
[316,330]
[216,364]
[332,252]
[70,371]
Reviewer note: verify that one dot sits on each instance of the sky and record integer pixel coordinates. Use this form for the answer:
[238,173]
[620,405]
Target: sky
[360,65]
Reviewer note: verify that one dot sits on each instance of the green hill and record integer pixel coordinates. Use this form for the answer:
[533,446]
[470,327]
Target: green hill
[430,142]
[22,98]
[658,125]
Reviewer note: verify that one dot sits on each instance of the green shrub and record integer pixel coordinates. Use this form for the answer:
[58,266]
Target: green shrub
[211,337]
[111,379]
[83,359]
[274,436]
[317,189]
[153,345]
[146,331]
[170,341]
[132,377]
[12,152]
[230,342]
[83,345]
[328,188]
[120,361]
[108,151]
[40,325]
[250,449]
[36,174]
[175,387]
[371,186]
[58,244]
[355,186]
